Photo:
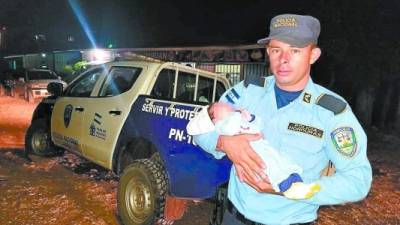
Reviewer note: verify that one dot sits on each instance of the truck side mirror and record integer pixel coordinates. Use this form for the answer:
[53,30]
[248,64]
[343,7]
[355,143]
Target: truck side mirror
[55,88]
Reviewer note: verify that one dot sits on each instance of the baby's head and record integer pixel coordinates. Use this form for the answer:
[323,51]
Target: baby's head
[219,110]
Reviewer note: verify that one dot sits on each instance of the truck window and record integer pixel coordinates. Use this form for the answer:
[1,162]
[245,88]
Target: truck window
[41,75]
[220,89]
[205,89]
[120,80]
[164,86]
[83,87]
[185,87]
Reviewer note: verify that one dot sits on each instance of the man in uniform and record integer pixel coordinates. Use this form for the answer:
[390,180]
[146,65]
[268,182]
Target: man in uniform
[309,123]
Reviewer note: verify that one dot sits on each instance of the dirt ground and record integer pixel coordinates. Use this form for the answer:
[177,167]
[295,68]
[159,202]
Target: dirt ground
[69,190]
[15,117]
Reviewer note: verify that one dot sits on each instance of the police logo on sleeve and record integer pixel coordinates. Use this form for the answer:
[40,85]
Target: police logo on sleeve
[232,96]
[345,141]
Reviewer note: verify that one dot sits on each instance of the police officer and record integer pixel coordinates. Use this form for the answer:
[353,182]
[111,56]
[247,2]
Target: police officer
[309,123]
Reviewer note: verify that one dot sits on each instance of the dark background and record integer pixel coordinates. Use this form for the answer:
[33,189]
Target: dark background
[155,23]
[359,39]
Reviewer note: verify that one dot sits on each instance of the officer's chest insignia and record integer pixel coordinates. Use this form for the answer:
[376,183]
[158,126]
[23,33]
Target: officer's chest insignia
[345,141]
[232,96]
[307,97]
[306,129]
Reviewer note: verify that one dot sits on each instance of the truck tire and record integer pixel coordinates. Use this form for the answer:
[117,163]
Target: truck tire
[221,202]
[156,158]
[38,140]
[141,193]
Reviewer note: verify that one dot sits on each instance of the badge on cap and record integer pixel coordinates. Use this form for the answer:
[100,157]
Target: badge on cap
[285,22]
[345,141]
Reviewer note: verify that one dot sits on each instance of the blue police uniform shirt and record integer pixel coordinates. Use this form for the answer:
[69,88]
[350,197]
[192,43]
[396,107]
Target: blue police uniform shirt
[312,135]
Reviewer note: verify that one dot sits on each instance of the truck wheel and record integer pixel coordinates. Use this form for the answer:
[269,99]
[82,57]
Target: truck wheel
[38,141]
[141,193]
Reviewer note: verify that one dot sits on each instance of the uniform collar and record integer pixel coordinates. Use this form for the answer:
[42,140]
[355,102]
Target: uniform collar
[307,97]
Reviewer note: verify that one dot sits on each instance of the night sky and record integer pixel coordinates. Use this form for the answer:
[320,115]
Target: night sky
[155,23]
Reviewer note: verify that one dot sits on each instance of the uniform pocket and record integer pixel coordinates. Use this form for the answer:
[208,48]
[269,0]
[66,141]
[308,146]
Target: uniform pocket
[301,137]
[306,151]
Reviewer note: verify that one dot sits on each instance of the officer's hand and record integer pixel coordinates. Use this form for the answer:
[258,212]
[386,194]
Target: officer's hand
[260,185]
[242,155]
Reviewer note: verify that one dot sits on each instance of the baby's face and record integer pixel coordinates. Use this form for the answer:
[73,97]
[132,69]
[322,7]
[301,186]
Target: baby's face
[220,111]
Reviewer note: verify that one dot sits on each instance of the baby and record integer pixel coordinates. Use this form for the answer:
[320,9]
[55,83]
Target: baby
[283,174]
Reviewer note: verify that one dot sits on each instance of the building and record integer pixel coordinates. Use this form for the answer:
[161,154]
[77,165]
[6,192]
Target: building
[236,62]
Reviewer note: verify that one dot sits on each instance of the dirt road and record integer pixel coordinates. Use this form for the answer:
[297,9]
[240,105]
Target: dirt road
[68,190]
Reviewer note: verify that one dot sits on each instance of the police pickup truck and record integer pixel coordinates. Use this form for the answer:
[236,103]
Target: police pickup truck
[130,117]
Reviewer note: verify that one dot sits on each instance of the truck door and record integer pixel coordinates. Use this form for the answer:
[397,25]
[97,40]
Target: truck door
[69,110]
[104,121]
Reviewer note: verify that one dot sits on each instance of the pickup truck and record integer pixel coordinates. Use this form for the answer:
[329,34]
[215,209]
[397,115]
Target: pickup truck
[130,117]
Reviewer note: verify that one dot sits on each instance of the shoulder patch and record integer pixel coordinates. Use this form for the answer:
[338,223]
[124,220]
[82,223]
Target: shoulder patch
[331,103]
[345,141]
[257,81]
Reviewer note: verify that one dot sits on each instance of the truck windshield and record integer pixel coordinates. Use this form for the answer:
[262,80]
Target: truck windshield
[41,75]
